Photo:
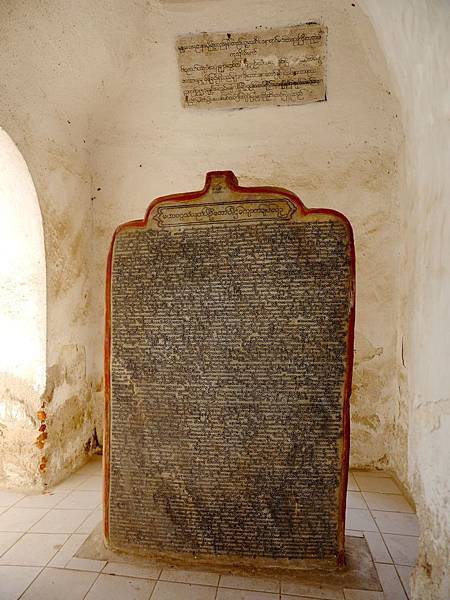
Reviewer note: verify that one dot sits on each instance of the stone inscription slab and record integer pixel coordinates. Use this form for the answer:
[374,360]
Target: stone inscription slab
[265,67]
[228,372]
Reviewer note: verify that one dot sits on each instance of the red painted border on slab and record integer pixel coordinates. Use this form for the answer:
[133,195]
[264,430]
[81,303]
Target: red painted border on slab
[232,184]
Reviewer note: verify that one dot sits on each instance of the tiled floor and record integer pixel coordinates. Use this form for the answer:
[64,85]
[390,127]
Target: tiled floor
[39,536]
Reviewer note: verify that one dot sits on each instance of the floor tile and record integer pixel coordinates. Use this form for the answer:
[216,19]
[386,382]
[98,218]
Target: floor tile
[61,521]
[15,580]
[34,549]
[7,539]
[391,502]
[405,575]
[404,549]
[363,595]
[377,547]
[93,466]
[393,522]
[198,577]
[20,519]
[115,587]
[71,483]
[354,533]
[89,524]
[60,584]
[360,520]
[77,503]
[88,471]
[299,589]
[355,500]
[46,500]
[93,483]
[352,485]
[145,572]
[168,590]
[67,551]
[86,564]
[390,582]
[374,473]
[257,584]
[229,594]
[290,597]
[9,498]
[369,483]
[80,499]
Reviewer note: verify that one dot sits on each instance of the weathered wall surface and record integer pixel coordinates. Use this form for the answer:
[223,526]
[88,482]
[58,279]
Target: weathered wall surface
[44,98]
[93,102]
[341,154]
[414,35]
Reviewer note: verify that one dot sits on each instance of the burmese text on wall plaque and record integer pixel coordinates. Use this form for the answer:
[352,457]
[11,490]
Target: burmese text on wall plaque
[265,67]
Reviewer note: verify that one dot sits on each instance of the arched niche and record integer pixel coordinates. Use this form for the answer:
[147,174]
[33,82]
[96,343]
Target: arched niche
[22,314]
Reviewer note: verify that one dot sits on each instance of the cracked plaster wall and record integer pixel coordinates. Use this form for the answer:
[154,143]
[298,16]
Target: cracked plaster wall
[341,154]
[93,103]
[44,98]
[415,38]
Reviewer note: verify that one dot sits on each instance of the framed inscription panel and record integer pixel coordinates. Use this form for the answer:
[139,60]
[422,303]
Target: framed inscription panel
[228,362]
[275,67]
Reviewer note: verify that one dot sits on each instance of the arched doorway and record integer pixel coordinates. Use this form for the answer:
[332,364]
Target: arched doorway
[22,317]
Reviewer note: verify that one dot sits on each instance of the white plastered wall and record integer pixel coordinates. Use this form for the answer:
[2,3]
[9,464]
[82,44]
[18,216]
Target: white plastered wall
[22,317]
[340,154]
[44,98]
[93,103]
[415,37]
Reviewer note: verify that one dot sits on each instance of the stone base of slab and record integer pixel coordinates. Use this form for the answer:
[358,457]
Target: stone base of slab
[359,572]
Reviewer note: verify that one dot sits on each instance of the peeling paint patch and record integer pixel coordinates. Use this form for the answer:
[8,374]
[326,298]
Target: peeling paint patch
[19,455]
[69,415]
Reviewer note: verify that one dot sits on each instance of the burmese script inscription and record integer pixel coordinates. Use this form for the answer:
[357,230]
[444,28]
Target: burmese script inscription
[224,212]
[229,325]
[266,67]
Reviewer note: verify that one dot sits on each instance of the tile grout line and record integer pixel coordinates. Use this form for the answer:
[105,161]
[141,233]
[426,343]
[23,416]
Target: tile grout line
[401,580]
[387,547]
[156,582]
[42,569]
[91,586]
[409,535]
[396,574]
[31,583]
[394,564]
[217,587]
[392,512]
[98,573]
[397,564]
[14,503]
[71,492]
[84,521]
[18,539]
[381,562]
[38,521]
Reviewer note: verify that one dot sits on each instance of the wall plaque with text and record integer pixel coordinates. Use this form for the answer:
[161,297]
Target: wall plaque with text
[275,67]
[228,360]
